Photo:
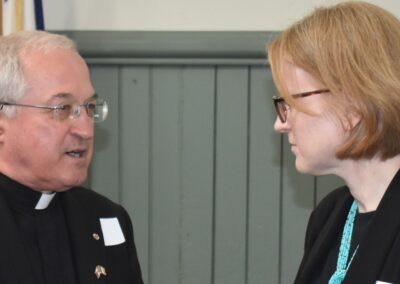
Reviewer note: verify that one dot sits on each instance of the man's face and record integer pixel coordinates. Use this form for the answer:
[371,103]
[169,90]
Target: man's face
[37,150]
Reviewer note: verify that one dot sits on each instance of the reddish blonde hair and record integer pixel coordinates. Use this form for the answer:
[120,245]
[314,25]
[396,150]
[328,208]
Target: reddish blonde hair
[353,48]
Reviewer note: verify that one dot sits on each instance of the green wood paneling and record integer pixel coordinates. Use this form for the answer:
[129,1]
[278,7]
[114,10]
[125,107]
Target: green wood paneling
[189,150]
[104,174]
[296,205]
[134,154]
[197,174]
[231,189]
[107,46]
[264,182]
[165,219]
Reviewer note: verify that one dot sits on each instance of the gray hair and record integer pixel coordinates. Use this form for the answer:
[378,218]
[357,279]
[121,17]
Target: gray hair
[12,81]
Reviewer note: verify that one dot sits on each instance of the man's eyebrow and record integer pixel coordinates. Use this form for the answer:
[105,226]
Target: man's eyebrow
[69,96]
[62,96]
[94,96]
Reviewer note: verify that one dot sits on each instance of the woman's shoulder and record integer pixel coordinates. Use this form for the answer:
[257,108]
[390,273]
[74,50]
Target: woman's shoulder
[335,198]
[331,206]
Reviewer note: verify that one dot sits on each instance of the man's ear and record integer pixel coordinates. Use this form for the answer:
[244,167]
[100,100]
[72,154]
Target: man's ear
[3,127]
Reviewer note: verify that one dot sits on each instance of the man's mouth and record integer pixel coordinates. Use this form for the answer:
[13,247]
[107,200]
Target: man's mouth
[76,153]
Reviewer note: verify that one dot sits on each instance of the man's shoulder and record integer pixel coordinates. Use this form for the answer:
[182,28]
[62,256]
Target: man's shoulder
[89,198]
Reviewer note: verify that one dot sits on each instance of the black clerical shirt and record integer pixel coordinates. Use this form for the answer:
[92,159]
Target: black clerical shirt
[43,233]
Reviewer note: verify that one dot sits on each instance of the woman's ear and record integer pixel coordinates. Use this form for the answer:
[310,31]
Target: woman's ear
[353,118]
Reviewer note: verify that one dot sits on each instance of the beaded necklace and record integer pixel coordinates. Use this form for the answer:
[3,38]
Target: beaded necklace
[342,264]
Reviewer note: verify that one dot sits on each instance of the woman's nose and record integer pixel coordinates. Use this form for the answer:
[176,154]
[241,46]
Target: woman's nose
[280,126]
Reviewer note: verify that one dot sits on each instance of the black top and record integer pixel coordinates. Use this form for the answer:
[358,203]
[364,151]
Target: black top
[43,233]
[378,255]
[361,223]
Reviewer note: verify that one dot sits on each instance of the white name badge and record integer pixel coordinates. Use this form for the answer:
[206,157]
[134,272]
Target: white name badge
[112,232]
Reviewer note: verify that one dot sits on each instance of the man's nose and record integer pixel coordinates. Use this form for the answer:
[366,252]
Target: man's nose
[83,125]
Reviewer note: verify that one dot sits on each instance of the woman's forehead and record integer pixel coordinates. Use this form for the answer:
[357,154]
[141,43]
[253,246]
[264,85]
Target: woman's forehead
[297,79]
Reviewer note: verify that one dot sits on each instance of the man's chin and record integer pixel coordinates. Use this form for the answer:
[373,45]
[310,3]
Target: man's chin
[70,182]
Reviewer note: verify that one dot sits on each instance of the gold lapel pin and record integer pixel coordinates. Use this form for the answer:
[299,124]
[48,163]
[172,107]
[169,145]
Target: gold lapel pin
[99,270]
[96,236]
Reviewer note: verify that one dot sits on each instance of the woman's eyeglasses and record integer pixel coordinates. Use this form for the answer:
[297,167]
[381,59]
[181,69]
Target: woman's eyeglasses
[282,107]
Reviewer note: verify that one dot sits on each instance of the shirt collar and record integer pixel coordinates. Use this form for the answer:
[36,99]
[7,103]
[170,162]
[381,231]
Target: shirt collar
[23,198]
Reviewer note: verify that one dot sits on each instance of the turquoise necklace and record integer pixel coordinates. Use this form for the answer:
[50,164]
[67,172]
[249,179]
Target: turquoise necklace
[342,264]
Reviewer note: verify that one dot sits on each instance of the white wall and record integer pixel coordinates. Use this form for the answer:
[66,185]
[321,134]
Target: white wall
[182,15]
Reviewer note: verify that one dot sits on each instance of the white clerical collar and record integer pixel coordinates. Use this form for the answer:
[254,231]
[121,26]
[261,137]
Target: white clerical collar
[44,200]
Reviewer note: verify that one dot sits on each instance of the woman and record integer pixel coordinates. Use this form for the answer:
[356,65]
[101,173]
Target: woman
[338,74]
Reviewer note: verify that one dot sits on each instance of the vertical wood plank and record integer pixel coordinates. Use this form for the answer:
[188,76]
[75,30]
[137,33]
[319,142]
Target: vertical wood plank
[297,203]
[104,170]
[134,155]
[231,175]
[264,181]
[165,185]
[197,175]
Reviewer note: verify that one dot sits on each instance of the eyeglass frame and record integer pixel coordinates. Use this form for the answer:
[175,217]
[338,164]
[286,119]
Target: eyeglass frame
[281,106]
[75,111]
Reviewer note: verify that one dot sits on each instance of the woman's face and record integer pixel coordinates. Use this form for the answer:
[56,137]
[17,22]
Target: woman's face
[314,137]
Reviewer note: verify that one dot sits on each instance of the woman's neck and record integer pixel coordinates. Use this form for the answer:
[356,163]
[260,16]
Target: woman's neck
[368,180]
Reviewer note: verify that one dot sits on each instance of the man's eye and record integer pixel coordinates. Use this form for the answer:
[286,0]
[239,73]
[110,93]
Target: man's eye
[91,106]
[63,109]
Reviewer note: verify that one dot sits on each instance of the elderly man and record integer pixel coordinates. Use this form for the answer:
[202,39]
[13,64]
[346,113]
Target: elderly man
[52,230]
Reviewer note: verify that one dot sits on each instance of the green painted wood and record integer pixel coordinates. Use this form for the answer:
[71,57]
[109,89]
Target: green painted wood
[104,171]
[134,156]
[165,217]
[231,189]
[264,182]
[197,174]
[189,150]
[297,203]
[176,45]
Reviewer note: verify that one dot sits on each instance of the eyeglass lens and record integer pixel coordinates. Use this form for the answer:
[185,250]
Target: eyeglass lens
[96,109]
[282,111]
[281,108]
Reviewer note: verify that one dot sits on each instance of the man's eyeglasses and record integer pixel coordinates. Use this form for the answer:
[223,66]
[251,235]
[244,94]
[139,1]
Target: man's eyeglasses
[282,107]
[96,109]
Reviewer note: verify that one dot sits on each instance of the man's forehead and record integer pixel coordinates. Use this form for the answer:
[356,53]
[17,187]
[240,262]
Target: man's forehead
[49,50]
[36,58]
[56,89]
